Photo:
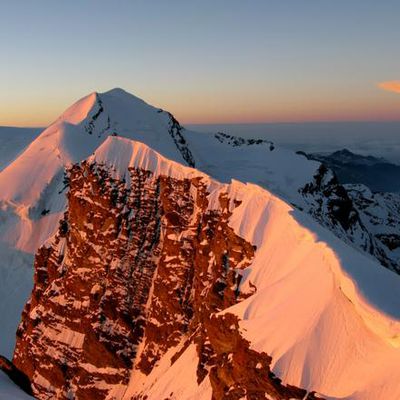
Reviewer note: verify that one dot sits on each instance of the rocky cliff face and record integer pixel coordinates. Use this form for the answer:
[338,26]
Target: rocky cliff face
[378,174]
[138,266]
[368,220]
[380,214]
[328,202]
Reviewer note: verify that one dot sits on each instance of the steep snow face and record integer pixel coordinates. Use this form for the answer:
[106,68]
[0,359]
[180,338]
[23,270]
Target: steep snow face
[327,315]
[24,181]
[15,286]
[123,154]
[226,157]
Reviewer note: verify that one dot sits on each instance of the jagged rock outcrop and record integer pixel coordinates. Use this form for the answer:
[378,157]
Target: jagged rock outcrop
[96,112]
[176,132]
[329,203]
[237,141]
[236,371]
[139,265]
[378,174]
[380,214]
[368,220]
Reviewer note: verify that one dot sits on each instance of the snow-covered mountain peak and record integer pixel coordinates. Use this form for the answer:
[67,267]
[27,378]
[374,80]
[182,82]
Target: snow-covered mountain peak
[79,110]
[79,131]
[115,99]
[123,95]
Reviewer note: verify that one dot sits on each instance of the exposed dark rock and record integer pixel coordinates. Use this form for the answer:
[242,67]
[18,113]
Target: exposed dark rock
[237,141]
[91,124]
[17,376]
[175,130]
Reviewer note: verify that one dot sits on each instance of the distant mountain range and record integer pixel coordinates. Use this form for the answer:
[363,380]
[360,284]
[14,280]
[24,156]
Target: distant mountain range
[377,173]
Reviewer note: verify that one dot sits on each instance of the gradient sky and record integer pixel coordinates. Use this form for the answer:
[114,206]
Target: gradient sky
[205,61]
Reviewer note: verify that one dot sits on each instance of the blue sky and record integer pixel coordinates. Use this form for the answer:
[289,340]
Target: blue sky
[208,61]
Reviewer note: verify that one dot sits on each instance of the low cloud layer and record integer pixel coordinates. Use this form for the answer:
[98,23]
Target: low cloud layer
[390,86]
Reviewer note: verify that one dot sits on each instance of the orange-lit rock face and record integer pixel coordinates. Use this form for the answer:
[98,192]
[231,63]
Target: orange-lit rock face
[134,270]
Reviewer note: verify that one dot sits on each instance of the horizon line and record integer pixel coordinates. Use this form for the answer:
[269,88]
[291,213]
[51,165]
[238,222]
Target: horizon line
[241,123]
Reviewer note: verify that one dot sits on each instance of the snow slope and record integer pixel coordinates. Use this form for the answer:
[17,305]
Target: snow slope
[179,378]
[280,170]
[13,141]
[16,275]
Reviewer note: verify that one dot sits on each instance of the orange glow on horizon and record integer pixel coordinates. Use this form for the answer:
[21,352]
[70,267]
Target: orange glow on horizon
[237,119]
[293,118]
[234,108]
[390,86]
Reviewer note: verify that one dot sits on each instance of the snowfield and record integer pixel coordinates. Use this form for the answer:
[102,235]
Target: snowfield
[16,275]
[328,314]
[13,141]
